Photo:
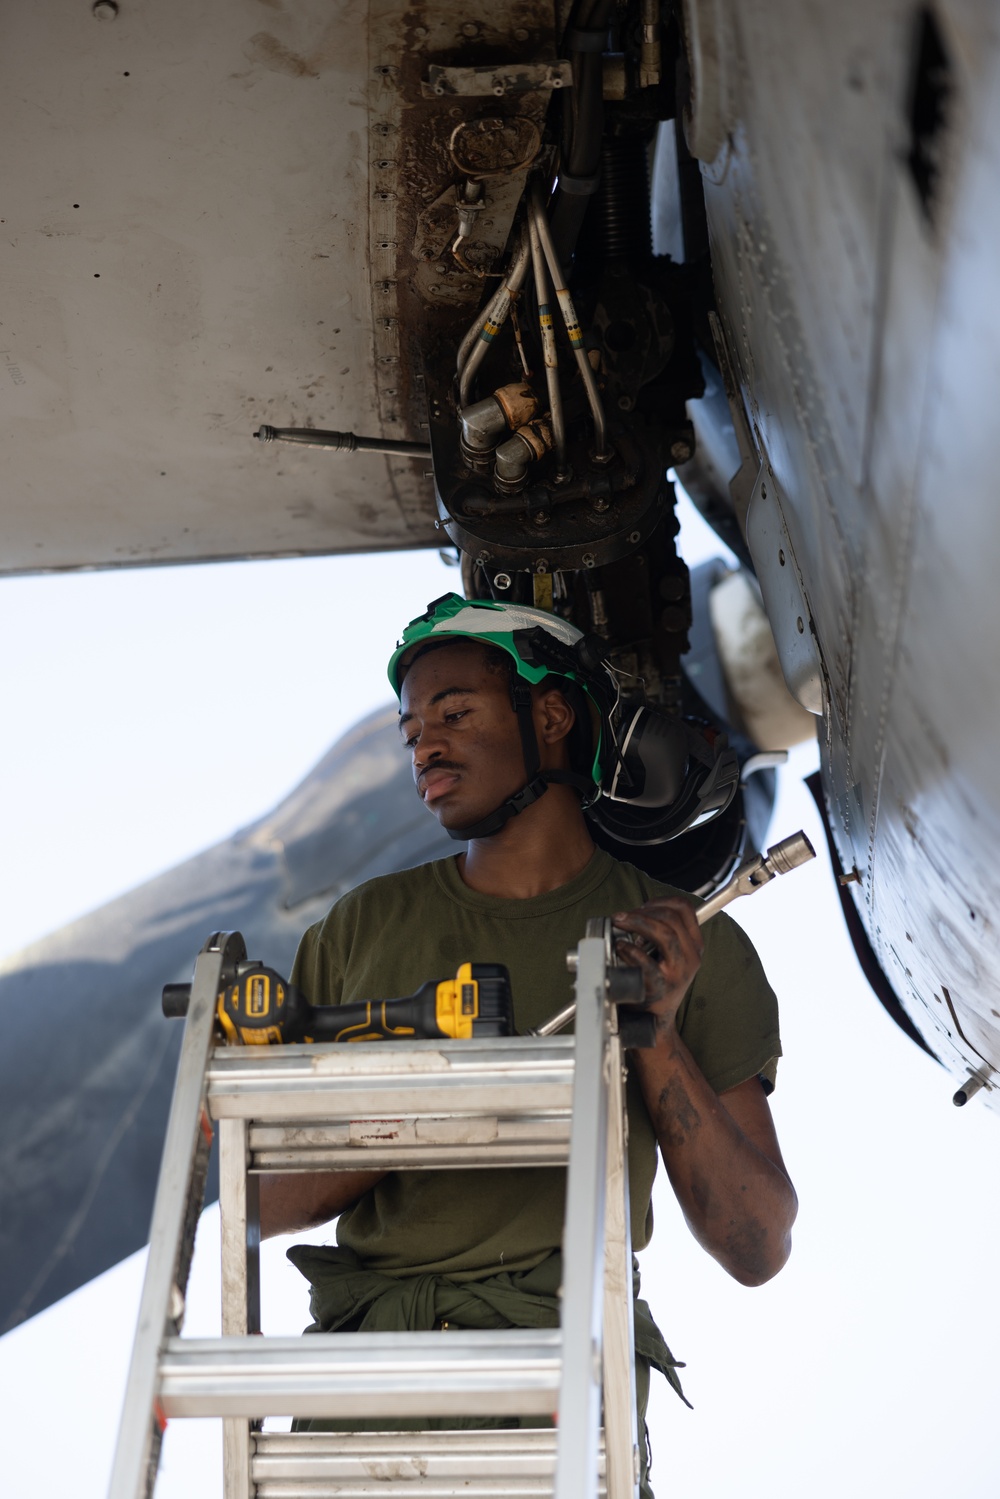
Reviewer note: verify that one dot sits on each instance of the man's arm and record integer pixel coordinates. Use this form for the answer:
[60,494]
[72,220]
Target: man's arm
[720,1151]
[295,1201]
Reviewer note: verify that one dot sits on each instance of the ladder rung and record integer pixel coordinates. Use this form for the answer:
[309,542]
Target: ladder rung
[516,1464]
[481,1140]
[478,1078]
[367,1375]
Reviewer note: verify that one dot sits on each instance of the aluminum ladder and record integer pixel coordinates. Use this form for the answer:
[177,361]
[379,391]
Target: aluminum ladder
[521,1102]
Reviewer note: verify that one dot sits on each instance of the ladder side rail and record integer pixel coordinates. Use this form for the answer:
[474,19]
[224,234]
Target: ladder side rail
[239,1208]
[176,1207]
[621,1434]
[583,1236]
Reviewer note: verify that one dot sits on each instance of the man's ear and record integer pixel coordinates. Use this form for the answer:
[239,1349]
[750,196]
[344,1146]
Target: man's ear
[554,716]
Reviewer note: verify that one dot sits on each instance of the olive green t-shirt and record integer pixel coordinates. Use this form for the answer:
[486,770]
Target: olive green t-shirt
[387,937]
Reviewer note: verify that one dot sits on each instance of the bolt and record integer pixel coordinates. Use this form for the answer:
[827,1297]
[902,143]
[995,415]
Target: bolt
[499,88]
[470,29]
[105,10]
[541,566]
[600,504]
[680,452]
[502,581]
[634,538]
[800,626]
[541,517]
[589,559]
[520,35]
[625,403]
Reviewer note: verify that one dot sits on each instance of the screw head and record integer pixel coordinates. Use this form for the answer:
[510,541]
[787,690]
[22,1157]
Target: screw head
[589,559]
[541,517]
[634,537]
[502,581]
[470,29]
[521,35]
[680,452]
[541,566]
[104,10]
[625,403]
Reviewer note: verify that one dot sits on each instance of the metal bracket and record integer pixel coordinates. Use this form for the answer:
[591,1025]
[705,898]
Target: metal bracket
[507,78]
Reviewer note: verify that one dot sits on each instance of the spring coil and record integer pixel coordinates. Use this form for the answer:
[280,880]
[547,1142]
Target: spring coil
[619,221]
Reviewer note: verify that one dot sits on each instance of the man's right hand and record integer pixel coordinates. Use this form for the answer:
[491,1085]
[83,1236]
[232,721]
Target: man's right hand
[669,925]
[295,1201]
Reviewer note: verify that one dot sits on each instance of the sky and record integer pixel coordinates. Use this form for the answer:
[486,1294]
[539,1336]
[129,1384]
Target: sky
[867,1367]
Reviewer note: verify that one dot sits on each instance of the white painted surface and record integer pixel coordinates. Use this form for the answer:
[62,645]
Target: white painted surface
[865,337]
[184,251]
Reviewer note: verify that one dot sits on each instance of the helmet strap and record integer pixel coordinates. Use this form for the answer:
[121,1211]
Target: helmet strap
[536,779]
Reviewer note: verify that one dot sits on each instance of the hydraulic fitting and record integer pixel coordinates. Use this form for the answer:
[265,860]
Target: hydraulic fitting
[514,457]
[484,422]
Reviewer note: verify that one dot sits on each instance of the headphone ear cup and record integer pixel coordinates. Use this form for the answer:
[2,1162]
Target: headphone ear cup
[654,761]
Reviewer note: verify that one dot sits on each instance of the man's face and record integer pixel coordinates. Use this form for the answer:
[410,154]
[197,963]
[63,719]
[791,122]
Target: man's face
[457,721]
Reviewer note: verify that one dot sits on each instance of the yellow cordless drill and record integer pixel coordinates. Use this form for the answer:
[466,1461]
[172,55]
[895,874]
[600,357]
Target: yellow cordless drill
[263,1009]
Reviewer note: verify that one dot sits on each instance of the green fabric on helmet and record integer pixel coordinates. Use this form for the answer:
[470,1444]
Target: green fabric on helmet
[452,617]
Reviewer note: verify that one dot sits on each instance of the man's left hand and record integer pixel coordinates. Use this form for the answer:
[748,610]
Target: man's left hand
[669,925]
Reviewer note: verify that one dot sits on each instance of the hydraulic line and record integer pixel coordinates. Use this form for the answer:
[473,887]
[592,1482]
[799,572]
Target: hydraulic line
[601,450]
[474,345]
[583,123]
[548,347]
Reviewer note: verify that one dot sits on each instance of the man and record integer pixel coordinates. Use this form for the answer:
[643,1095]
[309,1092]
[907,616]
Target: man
[504,712]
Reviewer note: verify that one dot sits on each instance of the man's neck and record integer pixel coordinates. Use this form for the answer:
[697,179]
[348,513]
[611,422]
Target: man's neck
[542,848]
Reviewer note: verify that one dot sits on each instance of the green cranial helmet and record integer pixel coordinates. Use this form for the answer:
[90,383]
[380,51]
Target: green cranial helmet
[538,645]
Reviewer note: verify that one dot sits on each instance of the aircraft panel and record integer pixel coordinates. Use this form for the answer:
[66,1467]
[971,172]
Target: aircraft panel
[898,553]
[184,253]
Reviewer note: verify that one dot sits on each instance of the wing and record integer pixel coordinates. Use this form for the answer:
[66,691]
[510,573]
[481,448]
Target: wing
[88,1061]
